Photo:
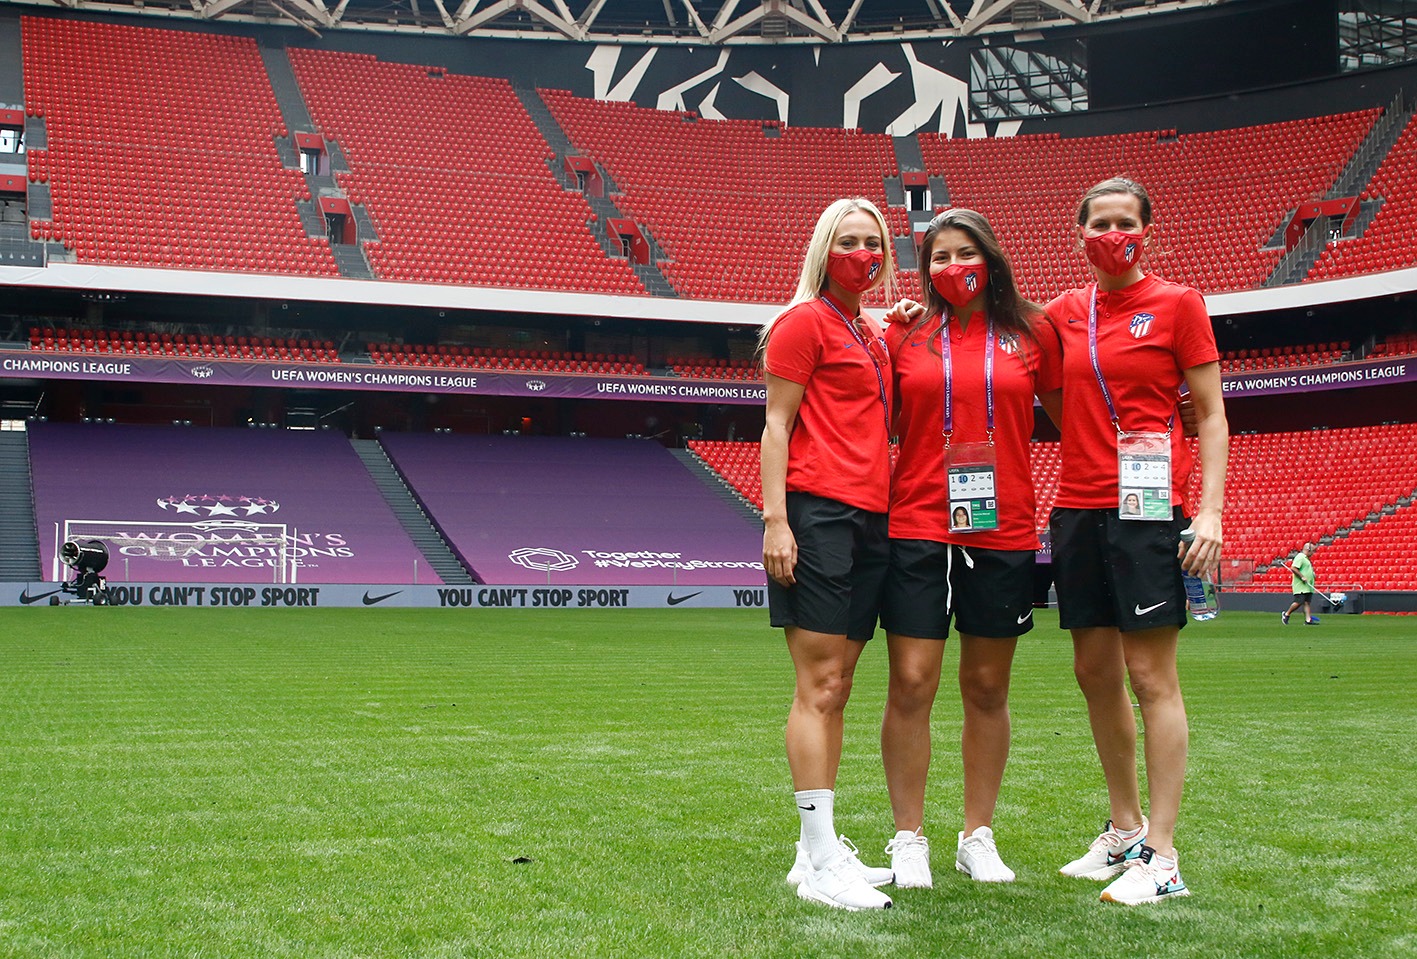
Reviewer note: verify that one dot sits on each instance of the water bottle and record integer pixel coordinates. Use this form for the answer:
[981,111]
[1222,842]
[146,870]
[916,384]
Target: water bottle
[1200,593]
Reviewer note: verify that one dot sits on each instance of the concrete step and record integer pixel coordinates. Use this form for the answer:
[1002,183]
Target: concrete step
[720,486]
[19,542]
[415,522]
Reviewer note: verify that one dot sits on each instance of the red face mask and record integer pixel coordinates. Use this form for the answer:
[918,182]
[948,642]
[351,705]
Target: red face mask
[959,283]
[1115,252]
[856,271]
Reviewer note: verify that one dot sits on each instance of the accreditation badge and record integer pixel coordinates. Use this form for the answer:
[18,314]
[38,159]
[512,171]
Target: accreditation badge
[969,476]
[1144,476]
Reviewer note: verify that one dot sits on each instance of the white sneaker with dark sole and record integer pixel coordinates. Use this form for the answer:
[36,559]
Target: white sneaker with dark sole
[978,858]
[874,875]
[1144,879]
[839,884]
[1108,855]
[910,860]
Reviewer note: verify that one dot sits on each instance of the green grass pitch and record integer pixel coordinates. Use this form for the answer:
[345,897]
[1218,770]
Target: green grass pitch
[387,783]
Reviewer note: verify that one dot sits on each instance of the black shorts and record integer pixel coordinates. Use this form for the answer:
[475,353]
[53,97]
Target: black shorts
[842,555]
[1115,572]
[987,592]
[1303,597]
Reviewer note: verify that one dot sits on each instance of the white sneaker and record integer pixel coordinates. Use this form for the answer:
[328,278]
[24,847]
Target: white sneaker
[873,875]
[839,884]
[1108,854]
[910,860]
[1145,879]
[978,858]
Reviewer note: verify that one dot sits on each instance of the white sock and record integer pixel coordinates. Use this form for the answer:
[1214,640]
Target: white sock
[818,825]
[1127,834]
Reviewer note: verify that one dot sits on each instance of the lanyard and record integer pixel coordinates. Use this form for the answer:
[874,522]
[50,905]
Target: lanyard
[948,368]
[1097,369]
[875,365]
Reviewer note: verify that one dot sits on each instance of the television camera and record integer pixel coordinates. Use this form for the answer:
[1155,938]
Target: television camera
[87,558]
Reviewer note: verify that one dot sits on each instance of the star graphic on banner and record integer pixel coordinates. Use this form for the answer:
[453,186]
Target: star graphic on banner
[255,508]
[185,507]
[220,510]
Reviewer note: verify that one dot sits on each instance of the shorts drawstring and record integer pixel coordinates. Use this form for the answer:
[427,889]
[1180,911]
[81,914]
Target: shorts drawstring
[949,574]
[949,579]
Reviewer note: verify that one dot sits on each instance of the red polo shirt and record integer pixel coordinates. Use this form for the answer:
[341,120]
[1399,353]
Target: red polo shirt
[840,445]
[1147,336]
[919,493]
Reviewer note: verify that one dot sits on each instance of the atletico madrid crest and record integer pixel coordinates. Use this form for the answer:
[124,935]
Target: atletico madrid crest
[1141,324]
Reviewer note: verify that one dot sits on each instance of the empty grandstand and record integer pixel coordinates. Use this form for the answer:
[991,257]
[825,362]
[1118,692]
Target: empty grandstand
[329,255]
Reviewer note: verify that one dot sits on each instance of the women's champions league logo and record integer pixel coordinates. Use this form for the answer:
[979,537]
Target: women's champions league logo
[206,505]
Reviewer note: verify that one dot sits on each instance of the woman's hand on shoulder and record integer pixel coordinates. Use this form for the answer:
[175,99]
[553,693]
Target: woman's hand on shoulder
[905,311]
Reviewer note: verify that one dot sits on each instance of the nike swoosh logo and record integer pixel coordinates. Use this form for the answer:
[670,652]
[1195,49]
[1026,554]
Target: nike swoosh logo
[1142,612]
[371,600]
[914,343]
[26,598]
[1073,319]
[810,808]
[676,600]
[1025,617]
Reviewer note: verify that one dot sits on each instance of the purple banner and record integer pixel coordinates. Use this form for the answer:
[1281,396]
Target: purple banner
[408,379]
[1402,369]
[405,379]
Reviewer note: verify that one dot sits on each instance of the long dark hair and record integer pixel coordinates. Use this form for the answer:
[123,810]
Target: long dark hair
[1011,313]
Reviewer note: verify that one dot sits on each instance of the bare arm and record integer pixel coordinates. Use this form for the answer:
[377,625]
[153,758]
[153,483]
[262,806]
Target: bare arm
[1214,432]
[779,545]
[904,311]
[1052,403]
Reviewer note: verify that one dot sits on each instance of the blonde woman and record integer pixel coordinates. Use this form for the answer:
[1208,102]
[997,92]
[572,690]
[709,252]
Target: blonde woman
[826,483]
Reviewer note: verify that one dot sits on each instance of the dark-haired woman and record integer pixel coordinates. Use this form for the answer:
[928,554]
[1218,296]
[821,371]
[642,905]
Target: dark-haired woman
[962,533]
[1130,340]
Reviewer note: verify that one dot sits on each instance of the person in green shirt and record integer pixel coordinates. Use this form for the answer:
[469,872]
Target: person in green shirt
[1303,586]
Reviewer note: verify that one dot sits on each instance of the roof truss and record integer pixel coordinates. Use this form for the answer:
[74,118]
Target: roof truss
[712,22]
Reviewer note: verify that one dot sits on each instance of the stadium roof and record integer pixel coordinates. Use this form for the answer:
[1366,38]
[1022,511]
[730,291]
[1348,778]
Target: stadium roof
[713,22]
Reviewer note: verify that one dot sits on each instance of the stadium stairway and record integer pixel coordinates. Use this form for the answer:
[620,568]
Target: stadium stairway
[288,97]
[409,514]
[19,545]
[605,209]
[649,274]
[550,131]
[1361,167]
[720,486]
[1373,150]
[351,262]
[349,259]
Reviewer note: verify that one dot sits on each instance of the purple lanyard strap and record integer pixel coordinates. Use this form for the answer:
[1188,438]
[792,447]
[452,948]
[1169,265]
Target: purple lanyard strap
[948,367]
[865,346]
[1097,369]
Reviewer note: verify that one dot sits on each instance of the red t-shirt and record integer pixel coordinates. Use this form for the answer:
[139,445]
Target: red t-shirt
[919,493]
[840,445]
[1147,335]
